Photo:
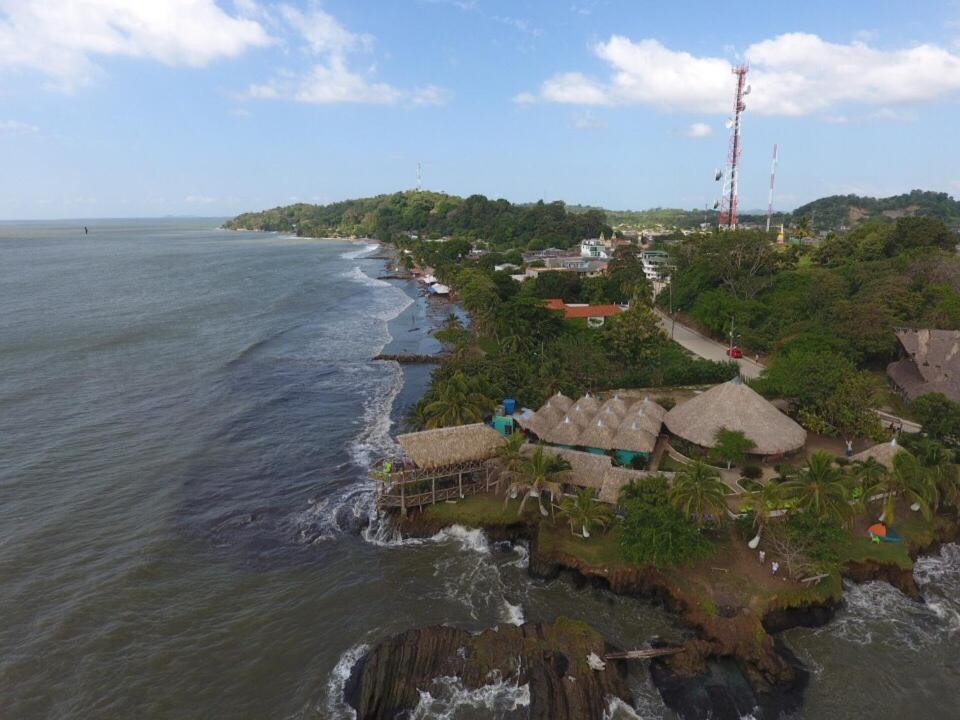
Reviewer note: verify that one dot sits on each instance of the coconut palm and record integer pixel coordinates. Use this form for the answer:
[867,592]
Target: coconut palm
[911,481]
[945,477]
[510,455]
[698,491]
[819,488]
[458,402]
[584,511]
[763,502]
[867,475]
[538,472]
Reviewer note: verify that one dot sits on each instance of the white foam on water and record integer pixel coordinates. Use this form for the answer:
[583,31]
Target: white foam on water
[367,248]
[335,705]
[447,696]
[513,614]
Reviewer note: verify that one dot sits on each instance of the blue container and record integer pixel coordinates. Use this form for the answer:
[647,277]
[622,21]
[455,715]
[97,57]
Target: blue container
[509,406]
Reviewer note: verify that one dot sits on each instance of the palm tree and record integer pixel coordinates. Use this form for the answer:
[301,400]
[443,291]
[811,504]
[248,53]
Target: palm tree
[909,480]
[698,491]
[867,475]
[537,472]
[458,402]
[510,456]
[819,488]
[762,501]
[583,510]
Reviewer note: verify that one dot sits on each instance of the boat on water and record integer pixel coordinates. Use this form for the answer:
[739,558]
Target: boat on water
[439,289]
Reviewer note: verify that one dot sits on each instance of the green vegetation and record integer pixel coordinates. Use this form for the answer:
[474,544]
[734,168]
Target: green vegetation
[839,210]
[434,215]
[731,446]
[654,531]
[699,493]
[540,471]
[584,512]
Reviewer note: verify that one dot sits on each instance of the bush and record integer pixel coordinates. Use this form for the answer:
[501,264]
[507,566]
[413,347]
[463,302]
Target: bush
[751,472]
[842,461]
[638,462]
[666,402]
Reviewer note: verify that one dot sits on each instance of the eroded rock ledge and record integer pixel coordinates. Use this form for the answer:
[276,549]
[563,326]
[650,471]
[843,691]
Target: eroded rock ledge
[549,659]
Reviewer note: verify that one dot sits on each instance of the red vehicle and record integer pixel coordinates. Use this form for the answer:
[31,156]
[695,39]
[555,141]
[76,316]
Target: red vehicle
[735,352]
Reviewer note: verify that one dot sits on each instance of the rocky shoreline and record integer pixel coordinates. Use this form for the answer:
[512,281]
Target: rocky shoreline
[733,665]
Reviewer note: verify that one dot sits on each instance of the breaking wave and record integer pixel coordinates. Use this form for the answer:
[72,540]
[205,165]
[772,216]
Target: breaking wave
[335,705]
[446,698]
[362,252]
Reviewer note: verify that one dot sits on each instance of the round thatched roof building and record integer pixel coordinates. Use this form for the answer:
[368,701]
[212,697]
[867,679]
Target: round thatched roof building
[588,403]
[597,435]
[616,404]
[882,453]
[648,422]
[633,437]
[549,415]
[735,406]
[566,432]
[561,401]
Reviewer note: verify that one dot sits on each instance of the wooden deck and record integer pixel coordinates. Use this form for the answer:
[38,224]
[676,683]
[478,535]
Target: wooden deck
[416,487]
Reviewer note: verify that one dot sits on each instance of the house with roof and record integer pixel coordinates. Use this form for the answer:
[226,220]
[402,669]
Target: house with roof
[594,315]
[931,363]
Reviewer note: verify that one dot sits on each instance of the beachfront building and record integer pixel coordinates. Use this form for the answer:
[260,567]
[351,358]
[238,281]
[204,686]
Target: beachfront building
[932,363]
[437,466]
[735,406]
[654,262]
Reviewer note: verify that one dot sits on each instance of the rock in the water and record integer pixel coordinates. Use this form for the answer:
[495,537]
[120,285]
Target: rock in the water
[549,660]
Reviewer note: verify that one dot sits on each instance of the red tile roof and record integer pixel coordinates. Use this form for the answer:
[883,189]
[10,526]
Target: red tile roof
[583,311]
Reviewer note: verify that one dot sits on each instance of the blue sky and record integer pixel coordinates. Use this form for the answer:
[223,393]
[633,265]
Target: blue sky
[130,108]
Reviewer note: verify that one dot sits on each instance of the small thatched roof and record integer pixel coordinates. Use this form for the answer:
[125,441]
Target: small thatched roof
[532,423]
[549,415]
[634,437]
[647,422]
[735,406]
[649,407]
[882,453]
[598,435]
[566,432]
[449,446]
[586,469]
[588,403]
[610,415]
[561,401]
[580,414]
[616,404]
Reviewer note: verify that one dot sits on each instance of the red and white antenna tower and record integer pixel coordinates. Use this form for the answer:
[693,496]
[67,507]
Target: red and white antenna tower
[728,202]
[773,180]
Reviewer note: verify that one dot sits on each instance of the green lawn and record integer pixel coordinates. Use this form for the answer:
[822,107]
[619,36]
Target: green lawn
[599,550]
[861,549]
[479,510]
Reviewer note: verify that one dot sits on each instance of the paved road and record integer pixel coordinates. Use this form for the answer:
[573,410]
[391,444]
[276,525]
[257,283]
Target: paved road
[705,347]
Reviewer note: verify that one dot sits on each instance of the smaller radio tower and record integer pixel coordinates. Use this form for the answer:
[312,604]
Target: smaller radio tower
[730,197]
[773,180]
[419,177]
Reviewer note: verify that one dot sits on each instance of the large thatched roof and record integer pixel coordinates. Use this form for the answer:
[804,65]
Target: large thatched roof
[634,437]
[449,446]
[616,404]
[586,469]
[735,406]
[566,432]
[549,415]
[610,415]
[882,453]
[598,434]
[561,401]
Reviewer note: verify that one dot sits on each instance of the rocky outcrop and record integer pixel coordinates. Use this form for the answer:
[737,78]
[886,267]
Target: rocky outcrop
[550,660]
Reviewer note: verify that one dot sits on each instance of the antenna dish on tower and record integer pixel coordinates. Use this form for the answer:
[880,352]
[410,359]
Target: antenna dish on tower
[747,91]
[717,174]
[729,123]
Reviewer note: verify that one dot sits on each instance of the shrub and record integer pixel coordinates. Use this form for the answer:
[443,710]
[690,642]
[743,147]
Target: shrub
[638,462]
[752,472]
[842,461]
[666,402]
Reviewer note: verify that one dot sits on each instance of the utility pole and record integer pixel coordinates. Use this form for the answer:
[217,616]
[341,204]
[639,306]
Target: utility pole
[730,198]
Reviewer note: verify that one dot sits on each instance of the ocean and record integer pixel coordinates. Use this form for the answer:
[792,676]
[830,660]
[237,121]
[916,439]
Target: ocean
[187,416]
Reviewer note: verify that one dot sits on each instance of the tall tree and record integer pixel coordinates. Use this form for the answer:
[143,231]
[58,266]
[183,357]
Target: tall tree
[732,446]
[698,492]
[820,489]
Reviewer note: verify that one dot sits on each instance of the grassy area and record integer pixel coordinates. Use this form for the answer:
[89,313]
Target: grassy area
[863,549]
[479,510]
[599,550]
[668,464]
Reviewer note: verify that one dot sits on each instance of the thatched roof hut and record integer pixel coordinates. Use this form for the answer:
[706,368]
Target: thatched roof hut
[616,404]
[882,453]
[451,446]
[634,437]
[580,414]
[597,435]
[561,401]
[610,415]
[586,469]
[566,432]
[549,415]
[647,422]
[735,406]
[650,408]
[588,403]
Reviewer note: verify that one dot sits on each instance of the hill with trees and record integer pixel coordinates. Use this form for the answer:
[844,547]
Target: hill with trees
[838,211]
[433,215]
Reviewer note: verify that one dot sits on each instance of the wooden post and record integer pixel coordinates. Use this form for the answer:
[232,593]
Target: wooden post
[460,483]
[403,506]
[433,488]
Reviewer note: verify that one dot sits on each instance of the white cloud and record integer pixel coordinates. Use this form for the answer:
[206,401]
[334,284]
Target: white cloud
[330,78]
[16,127]
[699,130]
[64,40]
[791,74]
[587,121]
[199,200]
